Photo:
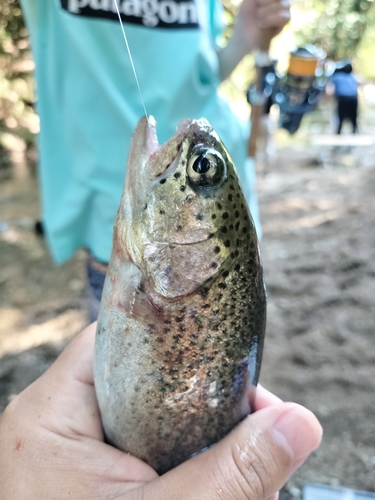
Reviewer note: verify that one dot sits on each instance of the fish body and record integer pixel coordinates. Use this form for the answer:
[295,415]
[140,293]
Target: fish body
[182,319]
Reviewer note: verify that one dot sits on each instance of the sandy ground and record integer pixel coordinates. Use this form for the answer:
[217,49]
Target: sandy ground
[318,249]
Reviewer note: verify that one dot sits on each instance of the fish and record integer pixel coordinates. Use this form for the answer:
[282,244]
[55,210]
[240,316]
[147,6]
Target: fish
[182,320]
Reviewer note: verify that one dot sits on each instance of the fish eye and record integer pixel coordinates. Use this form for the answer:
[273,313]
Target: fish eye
[206,166]
[202,164]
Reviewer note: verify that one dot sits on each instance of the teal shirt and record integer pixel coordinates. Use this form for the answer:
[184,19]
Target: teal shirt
[89,104]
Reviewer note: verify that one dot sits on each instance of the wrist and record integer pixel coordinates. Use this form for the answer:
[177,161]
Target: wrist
[244,36]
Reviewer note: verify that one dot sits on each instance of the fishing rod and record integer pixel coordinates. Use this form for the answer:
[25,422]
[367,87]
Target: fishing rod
[258,98]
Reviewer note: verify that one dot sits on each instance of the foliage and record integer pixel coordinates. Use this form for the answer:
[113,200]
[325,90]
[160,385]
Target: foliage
[12,26]
[338,26]
[18,120]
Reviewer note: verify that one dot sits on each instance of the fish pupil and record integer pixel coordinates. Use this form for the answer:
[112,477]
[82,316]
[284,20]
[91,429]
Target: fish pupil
[201,165]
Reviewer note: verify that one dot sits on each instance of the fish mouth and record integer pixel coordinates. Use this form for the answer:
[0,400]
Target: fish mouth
[163,158]
[170,169]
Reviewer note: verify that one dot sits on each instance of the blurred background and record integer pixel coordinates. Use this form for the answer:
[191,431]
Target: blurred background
[316,193]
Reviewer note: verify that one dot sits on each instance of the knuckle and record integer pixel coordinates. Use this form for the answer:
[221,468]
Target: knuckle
[250,473]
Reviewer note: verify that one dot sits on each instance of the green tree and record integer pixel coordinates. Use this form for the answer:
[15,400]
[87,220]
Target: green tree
[338,26]
[12,27]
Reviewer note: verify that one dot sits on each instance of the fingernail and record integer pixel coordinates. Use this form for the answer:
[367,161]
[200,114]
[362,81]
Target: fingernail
[299,431]
[275,496]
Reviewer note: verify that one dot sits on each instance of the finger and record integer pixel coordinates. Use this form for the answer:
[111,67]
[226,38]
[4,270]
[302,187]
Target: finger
[76,361]
[264,398]
[273,15]
[252,462]
[64,396]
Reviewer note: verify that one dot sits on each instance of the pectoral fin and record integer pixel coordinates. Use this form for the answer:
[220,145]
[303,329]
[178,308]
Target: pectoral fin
[124,291]
[178,270]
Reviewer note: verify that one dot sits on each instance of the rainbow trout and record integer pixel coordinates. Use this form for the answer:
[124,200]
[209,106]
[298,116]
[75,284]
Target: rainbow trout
[182,319]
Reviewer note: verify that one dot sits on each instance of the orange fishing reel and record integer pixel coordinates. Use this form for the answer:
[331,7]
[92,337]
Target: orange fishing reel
[298,91]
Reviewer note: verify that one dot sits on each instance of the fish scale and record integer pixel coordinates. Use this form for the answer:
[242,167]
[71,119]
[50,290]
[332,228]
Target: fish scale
[182,320]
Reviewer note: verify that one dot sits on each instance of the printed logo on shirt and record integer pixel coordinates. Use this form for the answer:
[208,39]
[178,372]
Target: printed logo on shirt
[150,13]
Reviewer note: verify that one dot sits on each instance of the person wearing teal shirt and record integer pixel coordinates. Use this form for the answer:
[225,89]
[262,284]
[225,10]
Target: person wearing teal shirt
[89,105]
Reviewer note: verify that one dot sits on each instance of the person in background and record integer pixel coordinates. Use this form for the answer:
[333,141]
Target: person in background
[346,92]
[89,105]
[52,446]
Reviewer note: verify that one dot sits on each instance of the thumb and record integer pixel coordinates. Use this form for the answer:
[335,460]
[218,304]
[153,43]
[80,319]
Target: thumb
[251,463]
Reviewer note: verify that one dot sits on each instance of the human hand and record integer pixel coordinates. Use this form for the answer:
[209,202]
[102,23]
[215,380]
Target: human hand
[261,14]
[51,446]
[253,15]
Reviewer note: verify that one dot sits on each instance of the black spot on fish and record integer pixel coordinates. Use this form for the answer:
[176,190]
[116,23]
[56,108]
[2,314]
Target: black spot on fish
[178,227]
[236,214]
[225,215]
[213,265]
[222,286]
[199,217]
[217,249]
[177,175]
[219,206]
[230,197]
[211,235]
[182,188]
[144,208]
[231,227]
[236,227]
[244,230]
[161,212]
[223,229]
[213,216]
[227,243]
[231,187]
[163,181]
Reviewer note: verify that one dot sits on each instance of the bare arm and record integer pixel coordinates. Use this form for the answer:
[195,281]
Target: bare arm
[252,15]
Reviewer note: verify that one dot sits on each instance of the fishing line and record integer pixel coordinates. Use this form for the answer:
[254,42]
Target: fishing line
[131,59]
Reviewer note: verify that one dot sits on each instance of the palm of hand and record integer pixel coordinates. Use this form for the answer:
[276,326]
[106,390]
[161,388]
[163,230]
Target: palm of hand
[65,409]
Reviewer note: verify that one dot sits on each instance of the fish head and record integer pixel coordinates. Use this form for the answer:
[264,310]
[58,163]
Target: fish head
[182,202]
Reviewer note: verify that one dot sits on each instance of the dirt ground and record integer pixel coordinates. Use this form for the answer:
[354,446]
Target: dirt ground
[318,249]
